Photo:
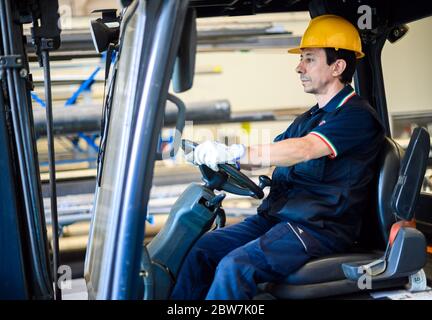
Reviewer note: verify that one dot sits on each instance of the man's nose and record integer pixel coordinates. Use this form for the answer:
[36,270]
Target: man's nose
[299,68]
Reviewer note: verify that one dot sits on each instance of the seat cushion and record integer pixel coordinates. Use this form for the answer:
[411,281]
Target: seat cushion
[327,269]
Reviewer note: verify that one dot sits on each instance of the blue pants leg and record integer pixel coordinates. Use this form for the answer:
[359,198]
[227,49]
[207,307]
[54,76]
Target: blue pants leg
[197,271]
[268,258]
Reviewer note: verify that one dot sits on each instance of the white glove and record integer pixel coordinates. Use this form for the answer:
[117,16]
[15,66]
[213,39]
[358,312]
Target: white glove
[212,153]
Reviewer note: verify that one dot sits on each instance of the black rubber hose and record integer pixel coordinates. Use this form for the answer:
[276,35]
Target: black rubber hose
[52,173]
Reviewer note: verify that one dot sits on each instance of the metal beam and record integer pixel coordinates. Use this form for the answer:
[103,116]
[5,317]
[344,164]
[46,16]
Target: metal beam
[73,119]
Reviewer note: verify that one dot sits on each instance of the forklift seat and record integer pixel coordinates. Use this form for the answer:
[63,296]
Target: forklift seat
[396,251]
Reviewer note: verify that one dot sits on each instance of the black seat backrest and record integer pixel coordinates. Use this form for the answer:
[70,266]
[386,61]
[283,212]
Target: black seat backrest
[389,165]
[378,220]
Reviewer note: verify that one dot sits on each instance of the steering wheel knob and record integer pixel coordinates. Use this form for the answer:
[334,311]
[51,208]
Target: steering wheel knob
[264,181]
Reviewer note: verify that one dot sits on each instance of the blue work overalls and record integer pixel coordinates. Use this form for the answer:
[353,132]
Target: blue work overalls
[313,209]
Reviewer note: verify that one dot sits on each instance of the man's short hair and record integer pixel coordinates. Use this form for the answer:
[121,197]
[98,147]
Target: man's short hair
[350,59]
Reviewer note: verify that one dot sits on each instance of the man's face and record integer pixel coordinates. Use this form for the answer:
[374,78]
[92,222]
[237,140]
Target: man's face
[315,73]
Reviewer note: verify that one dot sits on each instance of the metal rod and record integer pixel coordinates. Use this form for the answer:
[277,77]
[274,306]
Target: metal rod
[52,173]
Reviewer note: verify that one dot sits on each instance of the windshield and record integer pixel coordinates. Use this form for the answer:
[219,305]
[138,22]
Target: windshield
[107,202]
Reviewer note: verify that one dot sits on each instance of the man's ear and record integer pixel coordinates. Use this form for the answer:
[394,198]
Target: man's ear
[338,67]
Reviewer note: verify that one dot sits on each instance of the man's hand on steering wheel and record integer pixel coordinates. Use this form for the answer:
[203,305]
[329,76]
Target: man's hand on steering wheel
[212,153]
[216,162]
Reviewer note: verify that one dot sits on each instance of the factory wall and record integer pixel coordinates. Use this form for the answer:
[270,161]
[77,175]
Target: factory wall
[260,81]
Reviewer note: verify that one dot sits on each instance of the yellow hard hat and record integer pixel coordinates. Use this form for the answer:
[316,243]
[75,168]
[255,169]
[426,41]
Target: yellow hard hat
[331,31]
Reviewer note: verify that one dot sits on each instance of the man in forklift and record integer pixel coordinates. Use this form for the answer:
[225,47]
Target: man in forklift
[325,162]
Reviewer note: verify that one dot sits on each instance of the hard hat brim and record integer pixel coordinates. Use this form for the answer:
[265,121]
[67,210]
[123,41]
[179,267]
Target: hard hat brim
[295,50]
[298,50]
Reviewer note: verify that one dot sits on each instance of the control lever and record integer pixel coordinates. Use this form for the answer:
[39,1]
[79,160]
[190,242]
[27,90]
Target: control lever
[264,181]
[220,218]
[220,213]
[216,201]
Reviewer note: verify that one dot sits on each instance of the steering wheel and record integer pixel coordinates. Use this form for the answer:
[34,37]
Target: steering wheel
[228,178]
